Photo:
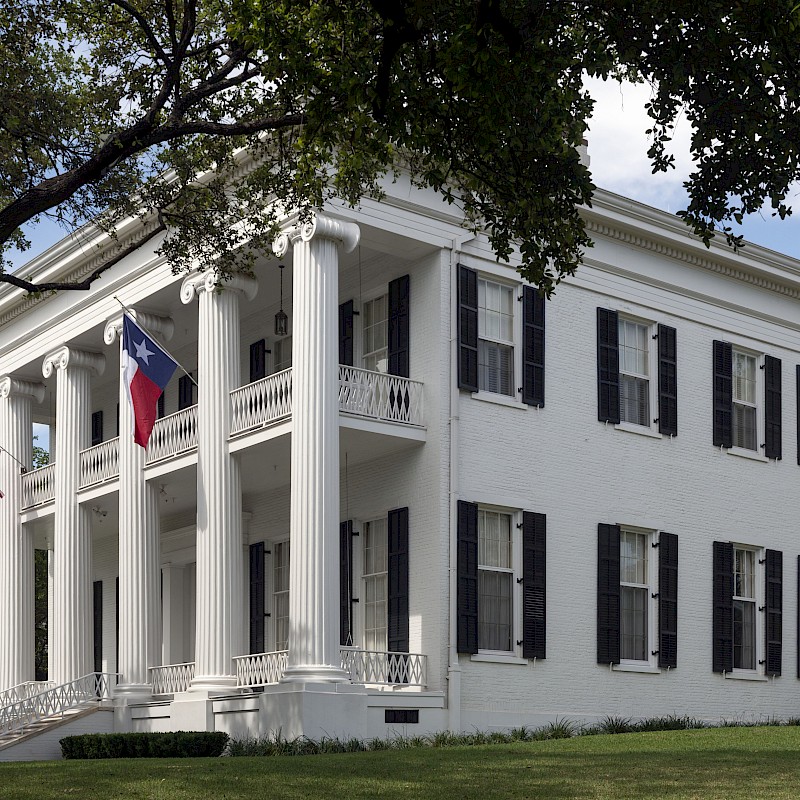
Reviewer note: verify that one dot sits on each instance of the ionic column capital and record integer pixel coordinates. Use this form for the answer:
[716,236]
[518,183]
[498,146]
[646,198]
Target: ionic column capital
[210,281]
[321,226]
[10,386]
[67,356]
[163,326]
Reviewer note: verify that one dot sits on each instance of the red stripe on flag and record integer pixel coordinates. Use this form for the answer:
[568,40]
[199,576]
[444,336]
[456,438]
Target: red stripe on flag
[144,394]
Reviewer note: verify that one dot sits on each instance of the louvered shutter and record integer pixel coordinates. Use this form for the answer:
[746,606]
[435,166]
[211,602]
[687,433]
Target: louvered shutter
[258,360]
[608,594]
[159,408]
[607,365]
[774,611]
[397,622]
[185,392]
[533,308]
[346,582]
[257,597]
[534,574]
[97,624]
[467,329]
[399,331]
[97,428]
[346,333]
[723,394]
[667,600]
[722,618]
[467,568]
[667,381]
[773,436]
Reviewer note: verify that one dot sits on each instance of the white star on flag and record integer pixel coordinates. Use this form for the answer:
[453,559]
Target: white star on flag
[142,352]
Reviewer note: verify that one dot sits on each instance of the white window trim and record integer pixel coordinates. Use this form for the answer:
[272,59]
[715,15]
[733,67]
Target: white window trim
[650,664]
[651,429]
[758,453]
[358,324]
[758,601]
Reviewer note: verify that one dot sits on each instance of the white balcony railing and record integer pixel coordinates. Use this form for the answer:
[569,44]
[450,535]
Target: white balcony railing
[171,678]
[380,396]
[260,669]
[371,666]
[99,463]
[262,402]
[22,691]
[173,435]
[38,486]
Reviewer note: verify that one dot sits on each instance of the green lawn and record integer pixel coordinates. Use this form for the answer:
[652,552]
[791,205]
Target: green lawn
[728,763]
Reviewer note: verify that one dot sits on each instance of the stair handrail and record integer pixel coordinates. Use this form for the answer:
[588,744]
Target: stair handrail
[23,690]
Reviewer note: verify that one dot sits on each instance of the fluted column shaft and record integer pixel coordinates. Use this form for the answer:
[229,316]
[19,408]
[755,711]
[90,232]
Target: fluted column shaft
[139,543]
[314,514]
[17,593]
[71,637]
[219,634]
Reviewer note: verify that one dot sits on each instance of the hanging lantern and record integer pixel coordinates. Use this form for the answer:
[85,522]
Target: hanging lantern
[281,320]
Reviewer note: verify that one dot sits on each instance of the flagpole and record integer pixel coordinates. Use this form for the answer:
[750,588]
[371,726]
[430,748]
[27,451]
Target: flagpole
[11,455]
[141,325]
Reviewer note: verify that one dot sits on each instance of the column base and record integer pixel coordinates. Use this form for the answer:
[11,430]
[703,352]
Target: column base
[133,692]
[214,684]
[315,673]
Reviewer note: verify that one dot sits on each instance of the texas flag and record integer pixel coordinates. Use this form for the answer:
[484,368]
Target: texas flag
[146,368]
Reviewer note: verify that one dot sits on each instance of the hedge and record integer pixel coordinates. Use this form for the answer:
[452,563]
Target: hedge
[180,744]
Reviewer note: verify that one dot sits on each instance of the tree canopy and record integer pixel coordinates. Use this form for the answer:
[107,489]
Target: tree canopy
[211,117]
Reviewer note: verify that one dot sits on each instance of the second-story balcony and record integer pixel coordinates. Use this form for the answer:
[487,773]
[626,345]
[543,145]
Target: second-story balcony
[391,402]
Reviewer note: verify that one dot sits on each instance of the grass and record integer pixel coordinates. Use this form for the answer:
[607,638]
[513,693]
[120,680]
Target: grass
[732,763]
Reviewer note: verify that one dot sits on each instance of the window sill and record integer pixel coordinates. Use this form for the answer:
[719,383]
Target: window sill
[640,429]
[500,399]
[646,668]
[498,658]
[745,676]
[744,453]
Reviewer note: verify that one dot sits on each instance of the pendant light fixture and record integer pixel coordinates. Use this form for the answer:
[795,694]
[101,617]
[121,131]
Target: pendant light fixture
[281,320]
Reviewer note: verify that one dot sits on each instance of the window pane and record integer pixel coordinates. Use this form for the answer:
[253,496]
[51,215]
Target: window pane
[744,377]
[744,634]
[634,346]
[280,597]
[634,623]
[495,367]
[375,584]
[633,557]
[744,426]
[494,539]
[744,573]
[634,400]
[374,335]
[495,311]
[494,610]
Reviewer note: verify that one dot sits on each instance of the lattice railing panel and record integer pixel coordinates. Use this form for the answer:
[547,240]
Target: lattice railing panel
[99,463]
[262,402]
[38,486]
[380,396]
[173,435]
[371,666]
[22,691]
[171,678]
[260,669]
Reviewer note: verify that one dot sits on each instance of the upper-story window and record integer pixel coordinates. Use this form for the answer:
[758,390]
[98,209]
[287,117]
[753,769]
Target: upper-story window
[374,334]
[745,411]
[634,371]
[495,337]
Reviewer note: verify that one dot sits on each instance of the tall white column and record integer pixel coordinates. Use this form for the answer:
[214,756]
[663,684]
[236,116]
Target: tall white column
[139,541]
[220,620]
[16,542]
[71,636]
[314,524]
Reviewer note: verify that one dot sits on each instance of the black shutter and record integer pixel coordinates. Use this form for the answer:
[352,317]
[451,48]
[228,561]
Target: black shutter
[346,582]
[467,568]
[773,438]
[534,574]
[346,333]
[185,392]
[399,319]
[608,594]
[797,396]
[397,622]
[722,619]
[533,305]
[257,597]
[97,611]
[258,360]
[118,418]
[467,330]
[667,381]
[97,427]
[160,406]
[774,609]
[723,394]
[667,600]
[607,365]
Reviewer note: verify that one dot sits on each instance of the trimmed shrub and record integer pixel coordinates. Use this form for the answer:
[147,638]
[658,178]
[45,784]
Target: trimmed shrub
[180,744]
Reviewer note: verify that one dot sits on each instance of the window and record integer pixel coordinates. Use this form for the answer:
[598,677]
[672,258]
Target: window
[282,354]
[280,594]
[744,609]
[495,581]
[374,341]
[744,400]
[495,338]
[634,372]
[634,580]
[375,585]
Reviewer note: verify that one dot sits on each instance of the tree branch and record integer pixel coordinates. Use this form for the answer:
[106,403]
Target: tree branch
[146,29]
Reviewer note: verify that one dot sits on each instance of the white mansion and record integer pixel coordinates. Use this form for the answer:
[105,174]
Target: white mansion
[434,502]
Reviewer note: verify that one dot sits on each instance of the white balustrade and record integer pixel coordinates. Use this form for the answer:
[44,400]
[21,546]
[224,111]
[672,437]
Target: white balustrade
[99,463]
[171,678]
[262,402]
[260,669]
[55,701]
[380,396]
[38,486]
[23,690]
[173,435]
[371,666]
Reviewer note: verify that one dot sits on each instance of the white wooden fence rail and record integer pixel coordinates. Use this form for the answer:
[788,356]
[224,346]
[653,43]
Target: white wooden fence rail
[38,486]
[99,463]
